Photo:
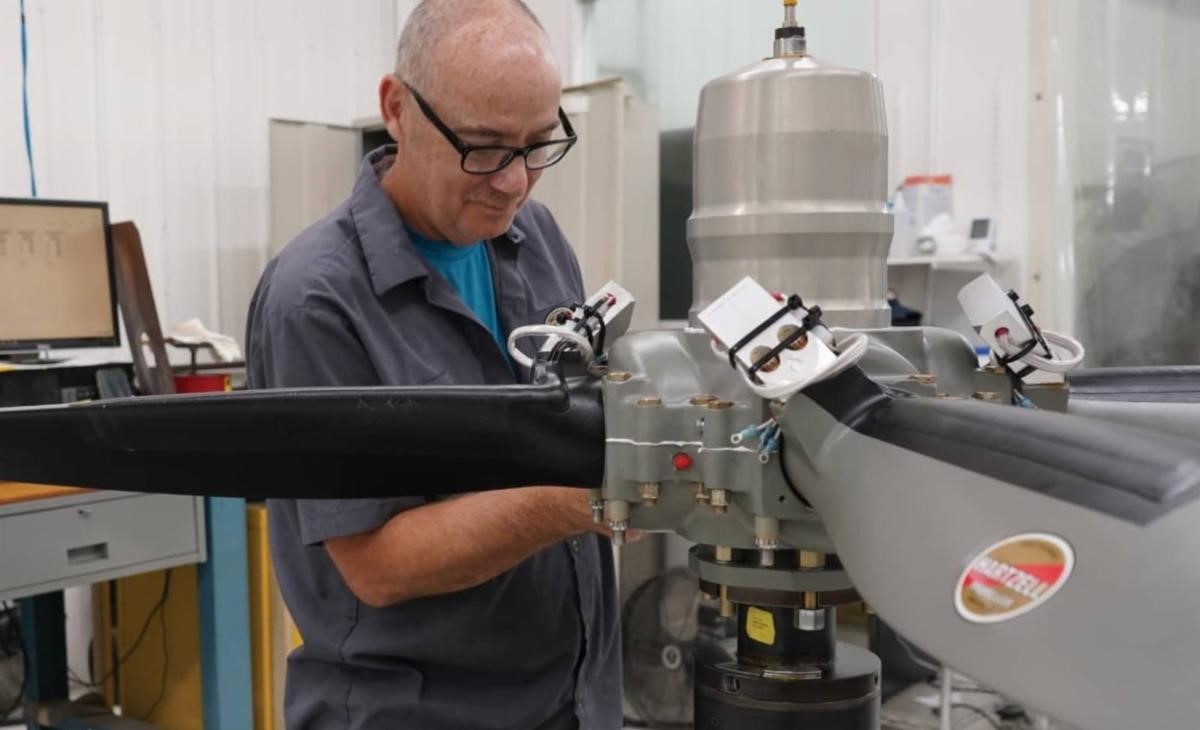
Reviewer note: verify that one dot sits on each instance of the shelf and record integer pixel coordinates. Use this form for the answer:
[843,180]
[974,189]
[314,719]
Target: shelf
[965,262]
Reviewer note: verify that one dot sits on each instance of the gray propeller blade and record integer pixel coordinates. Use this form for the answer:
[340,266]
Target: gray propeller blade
[1165,399]
[915,491]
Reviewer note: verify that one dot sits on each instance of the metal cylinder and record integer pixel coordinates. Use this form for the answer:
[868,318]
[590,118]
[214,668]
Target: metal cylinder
[846,697]
[788,648]
[790,187]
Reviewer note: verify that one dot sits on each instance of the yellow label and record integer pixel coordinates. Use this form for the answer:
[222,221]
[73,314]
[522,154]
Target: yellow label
[760,626]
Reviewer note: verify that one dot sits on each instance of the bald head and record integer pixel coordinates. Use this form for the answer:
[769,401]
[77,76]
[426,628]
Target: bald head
[464,30]
[472,76]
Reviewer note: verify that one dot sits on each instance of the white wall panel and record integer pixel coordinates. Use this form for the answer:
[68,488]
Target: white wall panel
[956,79]
[132,137]
[240,153]
[373,26]
[68,154]
[186,111]
[161,107]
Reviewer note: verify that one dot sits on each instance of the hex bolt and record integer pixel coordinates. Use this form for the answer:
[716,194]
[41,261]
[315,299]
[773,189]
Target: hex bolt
[618,519]
[766,538]
[718,498]
[727,610]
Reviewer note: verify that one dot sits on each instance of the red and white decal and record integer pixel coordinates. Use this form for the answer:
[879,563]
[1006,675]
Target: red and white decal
[1013,577]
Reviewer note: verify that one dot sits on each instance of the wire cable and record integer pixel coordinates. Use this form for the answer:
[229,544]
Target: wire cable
[977,711]
[548,330]
[11,612]
[1072,346]
[25,101]
[166,654]
[158,608]
[912,655]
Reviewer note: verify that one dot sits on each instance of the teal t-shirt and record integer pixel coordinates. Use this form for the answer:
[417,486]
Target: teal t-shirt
[469,269]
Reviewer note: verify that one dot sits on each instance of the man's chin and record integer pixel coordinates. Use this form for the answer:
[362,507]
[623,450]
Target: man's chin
[488,222]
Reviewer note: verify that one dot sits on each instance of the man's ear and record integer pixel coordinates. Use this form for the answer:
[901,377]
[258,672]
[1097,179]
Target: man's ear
[391,102]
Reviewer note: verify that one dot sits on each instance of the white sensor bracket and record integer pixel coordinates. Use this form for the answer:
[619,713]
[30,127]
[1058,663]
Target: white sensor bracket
[739,311]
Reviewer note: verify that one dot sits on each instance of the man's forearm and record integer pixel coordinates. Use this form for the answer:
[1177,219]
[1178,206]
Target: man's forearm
[449,546]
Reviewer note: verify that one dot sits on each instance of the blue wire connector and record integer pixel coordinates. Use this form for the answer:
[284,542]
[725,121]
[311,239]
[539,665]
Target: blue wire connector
[751,432]
[770,444]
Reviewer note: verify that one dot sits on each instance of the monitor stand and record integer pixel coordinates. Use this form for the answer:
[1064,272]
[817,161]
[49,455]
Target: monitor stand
[40,356]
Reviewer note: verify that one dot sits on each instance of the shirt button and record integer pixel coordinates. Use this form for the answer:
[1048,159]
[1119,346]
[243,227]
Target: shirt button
[575,545]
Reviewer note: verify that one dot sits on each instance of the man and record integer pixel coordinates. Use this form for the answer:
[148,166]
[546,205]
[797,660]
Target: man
[490,610]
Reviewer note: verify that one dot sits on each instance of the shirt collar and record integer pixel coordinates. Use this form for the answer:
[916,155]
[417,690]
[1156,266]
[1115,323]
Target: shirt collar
[391,257]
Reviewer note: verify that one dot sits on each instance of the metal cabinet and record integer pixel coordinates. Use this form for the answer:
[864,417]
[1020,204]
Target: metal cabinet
[50,544]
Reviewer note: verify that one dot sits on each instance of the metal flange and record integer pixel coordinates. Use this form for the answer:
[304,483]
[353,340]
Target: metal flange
[783,584]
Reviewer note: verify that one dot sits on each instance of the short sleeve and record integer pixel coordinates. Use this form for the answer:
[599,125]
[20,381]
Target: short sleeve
[308,346]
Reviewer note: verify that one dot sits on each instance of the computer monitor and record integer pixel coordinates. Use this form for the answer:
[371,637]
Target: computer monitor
[57,278]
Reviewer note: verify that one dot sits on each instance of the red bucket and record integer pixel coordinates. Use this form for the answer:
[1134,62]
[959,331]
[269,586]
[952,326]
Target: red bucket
[203,383]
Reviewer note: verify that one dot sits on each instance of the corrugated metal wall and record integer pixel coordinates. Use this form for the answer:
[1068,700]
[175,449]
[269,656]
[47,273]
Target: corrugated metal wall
[160,107]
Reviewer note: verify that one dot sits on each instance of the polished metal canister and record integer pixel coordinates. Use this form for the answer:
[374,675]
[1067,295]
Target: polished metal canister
[790,186]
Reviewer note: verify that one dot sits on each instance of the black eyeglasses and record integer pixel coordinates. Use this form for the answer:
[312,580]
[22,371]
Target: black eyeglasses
[485,159]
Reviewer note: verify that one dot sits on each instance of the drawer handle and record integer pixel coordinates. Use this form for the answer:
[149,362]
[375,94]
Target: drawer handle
[87,554]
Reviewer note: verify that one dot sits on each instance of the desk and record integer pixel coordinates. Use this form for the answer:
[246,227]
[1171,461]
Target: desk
[13,492]
[52,538]
[65,382]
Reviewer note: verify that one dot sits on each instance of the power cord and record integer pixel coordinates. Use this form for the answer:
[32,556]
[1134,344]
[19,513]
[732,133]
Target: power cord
[979,712]
[10,613]
[25,102]
[914,658]
[157,610]
[166,655]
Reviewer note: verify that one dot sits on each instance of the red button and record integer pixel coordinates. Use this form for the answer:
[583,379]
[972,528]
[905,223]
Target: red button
[681,462]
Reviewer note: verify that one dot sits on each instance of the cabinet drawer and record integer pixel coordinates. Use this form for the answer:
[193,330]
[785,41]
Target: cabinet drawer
[104,537]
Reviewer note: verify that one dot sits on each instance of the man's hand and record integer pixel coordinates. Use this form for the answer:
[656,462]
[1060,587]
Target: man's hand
[459,543]
[576,501]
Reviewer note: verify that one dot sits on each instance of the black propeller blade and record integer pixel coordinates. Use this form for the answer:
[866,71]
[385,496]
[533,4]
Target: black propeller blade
[1141,385]
[316,443]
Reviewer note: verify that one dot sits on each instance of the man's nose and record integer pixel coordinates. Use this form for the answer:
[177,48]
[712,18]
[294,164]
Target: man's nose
[512,180]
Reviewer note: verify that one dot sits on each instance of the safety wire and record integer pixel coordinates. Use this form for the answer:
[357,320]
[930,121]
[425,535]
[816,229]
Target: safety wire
[25,101]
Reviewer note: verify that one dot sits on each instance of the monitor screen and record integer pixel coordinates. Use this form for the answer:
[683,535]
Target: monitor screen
[979,227]
[57,284]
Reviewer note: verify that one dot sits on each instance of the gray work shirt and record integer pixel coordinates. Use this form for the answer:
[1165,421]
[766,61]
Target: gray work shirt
[350,302]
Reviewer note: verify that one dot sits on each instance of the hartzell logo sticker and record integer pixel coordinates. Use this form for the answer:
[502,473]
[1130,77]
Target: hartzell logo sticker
[1013,577]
